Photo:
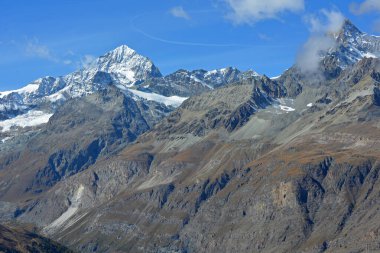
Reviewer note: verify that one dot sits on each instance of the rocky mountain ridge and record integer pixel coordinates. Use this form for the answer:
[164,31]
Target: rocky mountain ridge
[288,164]
[122,67]
[353,45]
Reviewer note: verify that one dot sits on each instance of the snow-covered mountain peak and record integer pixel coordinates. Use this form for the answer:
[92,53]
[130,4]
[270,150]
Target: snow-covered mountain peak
[352,45]
[118,55]
[126,66]
[349,30]
[121,66]
[122,51]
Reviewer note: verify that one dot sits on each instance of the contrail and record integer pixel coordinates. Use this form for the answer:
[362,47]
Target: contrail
[196,44]
[182,43]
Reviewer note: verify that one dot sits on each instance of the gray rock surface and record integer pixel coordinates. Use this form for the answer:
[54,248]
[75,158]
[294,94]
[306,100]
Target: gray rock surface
[258,165]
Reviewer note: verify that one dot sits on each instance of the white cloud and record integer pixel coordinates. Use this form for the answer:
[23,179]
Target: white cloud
[35,49]
[329,22]
[88,61]
[320,41]
[179,12]
[365,7]
[251,11]
[309,57]
[264,37]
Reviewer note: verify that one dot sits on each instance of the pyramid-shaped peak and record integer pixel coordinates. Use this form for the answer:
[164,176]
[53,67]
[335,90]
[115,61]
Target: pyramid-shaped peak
[125,61]
[348,26]
[120,54]
[124,49]
[349,30]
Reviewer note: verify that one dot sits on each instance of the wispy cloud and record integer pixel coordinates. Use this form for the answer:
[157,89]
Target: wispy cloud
[179,12]
[251,11]
[35,49]
[320,41]
[328,22]
[87,61]
[178,42]
[67,62]
[365,7]
[264,37]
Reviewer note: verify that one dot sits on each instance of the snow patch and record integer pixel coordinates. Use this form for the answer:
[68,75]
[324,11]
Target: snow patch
[287,108]
[56,97]
[285,104]
[6,139]
[27,89]
[201,82]
[174,101]
[309,105]
[125,72]
[31,118]
[369,55]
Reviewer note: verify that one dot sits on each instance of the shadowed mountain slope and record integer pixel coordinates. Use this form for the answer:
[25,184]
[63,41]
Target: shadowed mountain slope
[260,165]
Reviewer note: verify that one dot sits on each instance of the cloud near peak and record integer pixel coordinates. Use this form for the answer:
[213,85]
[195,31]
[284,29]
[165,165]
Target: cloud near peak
[320,40]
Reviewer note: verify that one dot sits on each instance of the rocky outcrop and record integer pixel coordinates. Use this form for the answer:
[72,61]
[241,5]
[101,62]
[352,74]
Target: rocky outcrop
[21,240]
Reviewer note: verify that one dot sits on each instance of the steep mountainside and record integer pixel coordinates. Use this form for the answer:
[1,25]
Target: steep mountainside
[122,66]
[246,164]
[280,181]
[80,132]
[353,45]
[20,240]
[93,112]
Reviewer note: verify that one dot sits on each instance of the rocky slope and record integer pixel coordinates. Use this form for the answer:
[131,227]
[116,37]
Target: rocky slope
[260,165]
[79,133]
[353,45]
[94,111]
[188,83]
[122,67]
[20,241]
[280,181]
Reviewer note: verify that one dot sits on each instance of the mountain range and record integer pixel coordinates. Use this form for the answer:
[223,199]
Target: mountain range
[116,157]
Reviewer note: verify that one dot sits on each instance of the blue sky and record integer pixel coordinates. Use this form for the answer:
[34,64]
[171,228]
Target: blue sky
[43,37]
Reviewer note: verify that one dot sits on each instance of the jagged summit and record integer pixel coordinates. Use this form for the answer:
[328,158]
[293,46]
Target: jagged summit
[127,65]
[352,45]
[348,29]
[122,51]
[122,67]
